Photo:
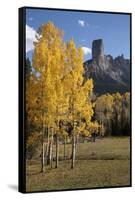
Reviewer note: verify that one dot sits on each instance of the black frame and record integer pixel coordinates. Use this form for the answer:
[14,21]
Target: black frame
[21,99]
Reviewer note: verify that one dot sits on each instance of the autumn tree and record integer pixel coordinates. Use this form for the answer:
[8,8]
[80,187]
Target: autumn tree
[121,114]
[59,96]
[80,106]
[103,112]
[31,114]
[113,113]
[126,112]
[48,58]
[28,67]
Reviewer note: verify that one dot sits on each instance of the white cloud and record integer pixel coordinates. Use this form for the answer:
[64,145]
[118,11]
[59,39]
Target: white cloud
[30,38]
[30,18]
[81,23]
[86,50]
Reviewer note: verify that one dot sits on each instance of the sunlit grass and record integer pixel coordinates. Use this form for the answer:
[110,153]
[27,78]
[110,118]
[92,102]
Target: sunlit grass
[102,163]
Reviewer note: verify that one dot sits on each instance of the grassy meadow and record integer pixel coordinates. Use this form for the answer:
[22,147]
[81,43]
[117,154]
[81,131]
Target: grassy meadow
[103,163]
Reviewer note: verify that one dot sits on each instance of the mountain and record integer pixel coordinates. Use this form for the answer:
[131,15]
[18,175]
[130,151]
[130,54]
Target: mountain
[109,74]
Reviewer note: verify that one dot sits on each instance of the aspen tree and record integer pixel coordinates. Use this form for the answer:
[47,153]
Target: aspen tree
[104,111]
[61,94]
[79,103]
[47,59]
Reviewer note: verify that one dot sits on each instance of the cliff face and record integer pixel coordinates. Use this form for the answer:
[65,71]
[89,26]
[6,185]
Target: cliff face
[109,74]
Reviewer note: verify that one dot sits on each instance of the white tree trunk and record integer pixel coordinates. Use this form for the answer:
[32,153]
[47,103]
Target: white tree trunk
[73,151]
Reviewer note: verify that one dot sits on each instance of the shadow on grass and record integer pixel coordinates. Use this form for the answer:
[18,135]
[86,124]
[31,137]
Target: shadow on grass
[47,171]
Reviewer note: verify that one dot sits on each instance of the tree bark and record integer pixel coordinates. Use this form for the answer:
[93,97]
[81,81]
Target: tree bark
[51,149]
[48,147]
[73,151]
[42,157]
[48,154]
[57,150]
[42,142]
[73,138]
[65,148]
[52,156]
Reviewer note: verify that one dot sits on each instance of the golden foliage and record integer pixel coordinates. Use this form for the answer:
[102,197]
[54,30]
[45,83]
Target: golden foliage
[59,92]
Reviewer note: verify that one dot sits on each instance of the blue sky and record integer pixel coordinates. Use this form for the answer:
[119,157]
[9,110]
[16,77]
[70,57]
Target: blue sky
[84,27]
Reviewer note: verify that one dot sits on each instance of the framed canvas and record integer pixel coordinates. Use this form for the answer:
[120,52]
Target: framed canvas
[74,99]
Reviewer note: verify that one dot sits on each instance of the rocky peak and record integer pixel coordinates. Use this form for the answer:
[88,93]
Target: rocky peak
[97,49]
[98,56]
[110,73]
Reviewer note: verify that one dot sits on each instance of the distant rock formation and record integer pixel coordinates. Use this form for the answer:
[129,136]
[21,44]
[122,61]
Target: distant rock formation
[98,52]
[109,74]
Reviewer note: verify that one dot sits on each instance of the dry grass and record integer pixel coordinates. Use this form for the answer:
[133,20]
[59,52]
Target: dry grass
[101,164]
